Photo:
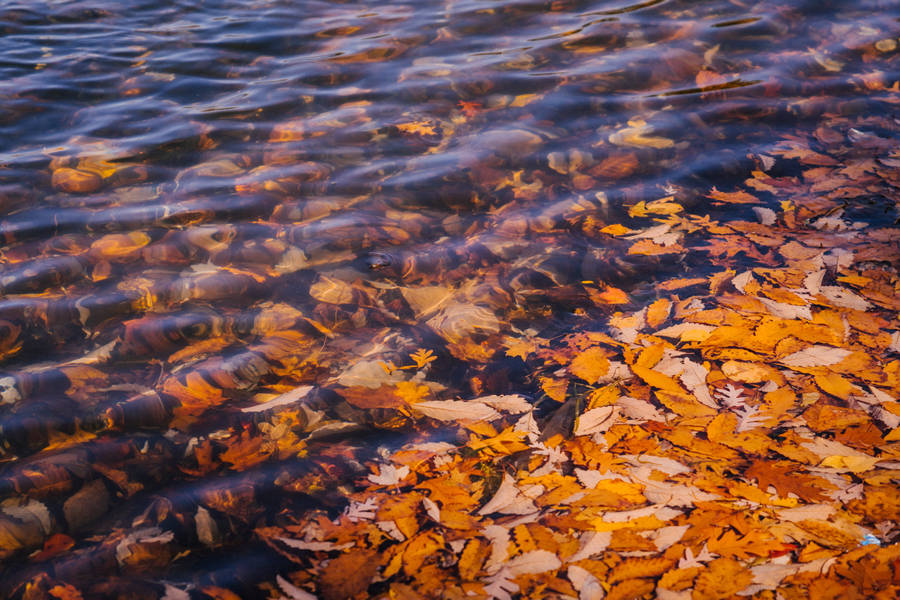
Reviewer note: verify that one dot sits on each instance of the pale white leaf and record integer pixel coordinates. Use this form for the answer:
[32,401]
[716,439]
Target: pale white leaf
[694,379]
[432,509]
[881,395]
[499,538]
[513,404]
[659,463]
[292,591]
[527,423]
[663,513]
[749,418]
[531,563]
[674,494]
[389,475]
[500,586]
[664,537]
[591,543]
[455,410]
[296,394]
[361,511]
[895,342]
[766,216]
[508,500]
[651,233]
[434,447]
[787,311]
[818,512]
[813,281]
[889,419]
[740,281]
[632,408]
[585,583]
[390,528]
[679,330]
[313,545]
[690,560]
[596,420]
[174,593]
[817,355]
[843,297]
[731,397]
[768,576]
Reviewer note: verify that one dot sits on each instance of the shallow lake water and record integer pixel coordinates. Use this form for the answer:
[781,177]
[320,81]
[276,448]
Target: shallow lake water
[242,240]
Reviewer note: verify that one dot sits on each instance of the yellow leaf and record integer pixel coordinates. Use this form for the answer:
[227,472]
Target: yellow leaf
[834,384]
[613,295]
[411,392]
[638,210]
[657,379]
[748,372]
[590,365]
[417,127]
[616,229]
[604,396]
[664,206]
[658,312]
[856,464]
[555,388]
[422,357]
[506,442]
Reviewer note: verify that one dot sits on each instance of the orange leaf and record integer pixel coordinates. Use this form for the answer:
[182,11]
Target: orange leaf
[723,578]
[738,197]
[349,574]
[590,365]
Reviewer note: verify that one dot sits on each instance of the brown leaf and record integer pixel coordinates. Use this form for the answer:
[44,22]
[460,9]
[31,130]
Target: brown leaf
[349,575]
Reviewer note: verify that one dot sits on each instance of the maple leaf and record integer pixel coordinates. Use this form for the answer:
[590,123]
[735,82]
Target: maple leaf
[689,560]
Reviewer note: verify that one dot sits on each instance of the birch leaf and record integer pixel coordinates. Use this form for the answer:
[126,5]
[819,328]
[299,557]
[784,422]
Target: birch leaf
[455,410]
[531,563]
[817,355]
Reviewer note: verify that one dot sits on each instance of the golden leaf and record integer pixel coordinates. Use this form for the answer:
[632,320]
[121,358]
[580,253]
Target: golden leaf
[349,574]
[738,197]
[657,380]
[555,388]
[631,589]
[420,549]
[658,312]
[472,559]
[417,127]
[590,365]
[722,578]
[633,568]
